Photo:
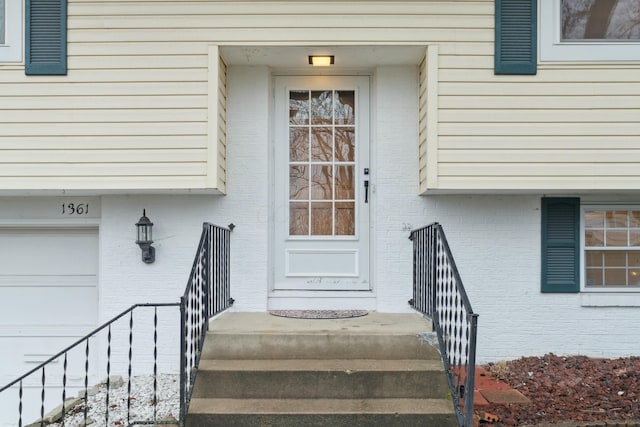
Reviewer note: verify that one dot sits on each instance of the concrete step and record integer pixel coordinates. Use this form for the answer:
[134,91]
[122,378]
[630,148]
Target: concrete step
[315,379]
[321,412]
[236,336]
[267,371]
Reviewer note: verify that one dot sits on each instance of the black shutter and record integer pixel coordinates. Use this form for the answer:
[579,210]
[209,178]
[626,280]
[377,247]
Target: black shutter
[516,34]
[560,244]
[46,37]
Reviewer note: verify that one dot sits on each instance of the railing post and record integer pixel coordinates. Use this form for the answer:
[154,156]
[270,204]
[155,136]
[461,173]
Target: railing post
[433,271]
[207,274]
[471,372]
[183,361]
[414,300]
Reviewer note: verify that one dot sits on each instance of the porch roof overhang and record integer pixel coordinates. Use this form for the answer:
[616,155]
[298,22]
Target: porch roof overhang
[346,57]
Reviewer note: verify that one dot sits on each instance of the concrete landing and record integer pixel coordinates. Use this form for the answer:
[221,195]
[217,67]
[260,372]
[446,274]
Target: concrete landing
[241,336]
[372,323]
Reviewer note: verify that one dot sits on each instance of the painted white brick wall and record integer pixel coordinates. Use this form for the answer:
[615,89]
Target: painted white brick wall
[496,243]
[396,205]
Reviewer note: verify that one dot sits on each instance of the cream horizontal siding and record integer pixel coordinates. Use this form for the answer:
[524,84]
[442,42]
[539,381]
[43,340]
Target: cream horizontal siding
[221,128]
[141,102]
[573,126]
[87,183]
[422,125]
[98,142]
[144,79]
[126,117]
[217,149]
[428,119]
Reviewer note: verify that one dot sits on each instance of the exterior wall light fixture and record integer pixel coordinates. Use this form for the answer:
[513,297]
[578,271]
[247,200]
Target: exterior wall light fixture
[321,60]
[145,238]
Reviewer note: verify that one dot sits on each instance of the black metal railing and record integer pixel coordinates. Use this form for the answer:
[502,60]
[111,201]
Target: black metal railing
[438,293]
[207,294]
[74,371]
[129,344]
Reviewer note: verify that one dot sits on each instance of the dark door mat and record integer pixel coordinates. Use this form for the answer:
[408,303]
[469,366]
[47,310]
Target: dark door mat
[319,314]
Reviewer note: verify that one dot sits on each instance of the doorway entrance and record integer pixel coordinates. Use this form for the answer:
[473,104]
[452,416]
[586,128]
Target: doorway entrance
[322,194]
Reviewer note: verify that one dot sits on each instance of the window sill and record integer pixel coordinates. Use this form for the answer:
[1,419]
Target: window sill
[610,299]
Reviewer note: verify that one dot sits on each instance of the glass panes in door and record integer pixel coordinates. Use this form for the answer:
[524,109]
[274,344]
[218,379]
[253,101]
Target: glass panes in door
[322,168]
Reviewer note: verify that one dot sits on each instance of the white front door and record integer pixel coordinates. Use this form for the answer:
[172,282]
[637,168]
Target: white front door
[321,183]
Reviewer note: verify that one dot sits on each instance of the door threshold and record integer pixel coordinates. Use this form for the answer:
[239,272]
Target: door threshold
[322,300]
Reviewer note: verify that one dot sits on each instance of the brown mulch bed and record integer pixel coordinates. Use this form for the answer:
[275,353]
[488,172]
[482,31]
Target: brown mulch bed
[578,389]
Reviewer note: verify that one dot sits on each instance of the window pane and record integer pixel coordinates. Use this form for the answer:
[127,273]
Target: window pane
[634,277]
[616,238]
[345,184]
[634,258]
[299,144]
[634,237]
[299,107]
[2,22]
[616,219]
[634,219]
[594,219]
[321,224]
[594,258]
[615,259]
[321,107]
[298,182]
[594,238]
[321,183]
[594,277]
[321,144]
[345,107]
[345,219]
[345,144]
[600,20]
[615,277]
[298,219]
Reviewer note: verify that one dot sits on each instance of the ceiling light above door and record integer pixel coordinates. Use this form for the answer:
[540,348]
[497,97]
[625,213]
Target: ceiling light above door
[321,60]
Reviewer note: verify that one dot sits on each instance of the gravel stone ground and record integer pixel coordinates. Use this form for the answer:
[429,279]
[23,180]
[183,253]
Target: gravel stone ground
[564,391]
[168,407]
[572,390]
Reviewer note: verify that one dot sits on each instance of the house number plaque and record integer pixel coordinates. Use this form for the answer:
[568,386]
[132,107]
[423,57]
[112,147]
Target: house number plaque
[75,208]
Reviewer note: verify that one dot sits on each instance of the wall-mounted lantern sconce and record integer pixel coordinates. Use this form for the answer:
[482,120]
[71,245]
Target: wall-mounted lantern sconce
[321,60]
[145,238]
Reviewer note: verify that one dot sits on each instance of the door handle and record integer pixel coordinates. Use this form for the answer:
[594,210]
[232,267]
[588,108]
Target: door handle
[366,186]
[366,191]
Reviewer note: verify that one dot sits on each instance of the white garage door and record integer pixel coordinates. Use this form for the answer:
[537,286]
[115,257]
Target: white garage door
[48,293]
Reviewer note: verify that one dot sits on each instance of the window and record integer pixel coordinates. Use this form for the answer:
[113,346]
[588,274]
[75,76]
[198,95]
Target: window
[605,241]
[589,30]
[11,31]
[611,239]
